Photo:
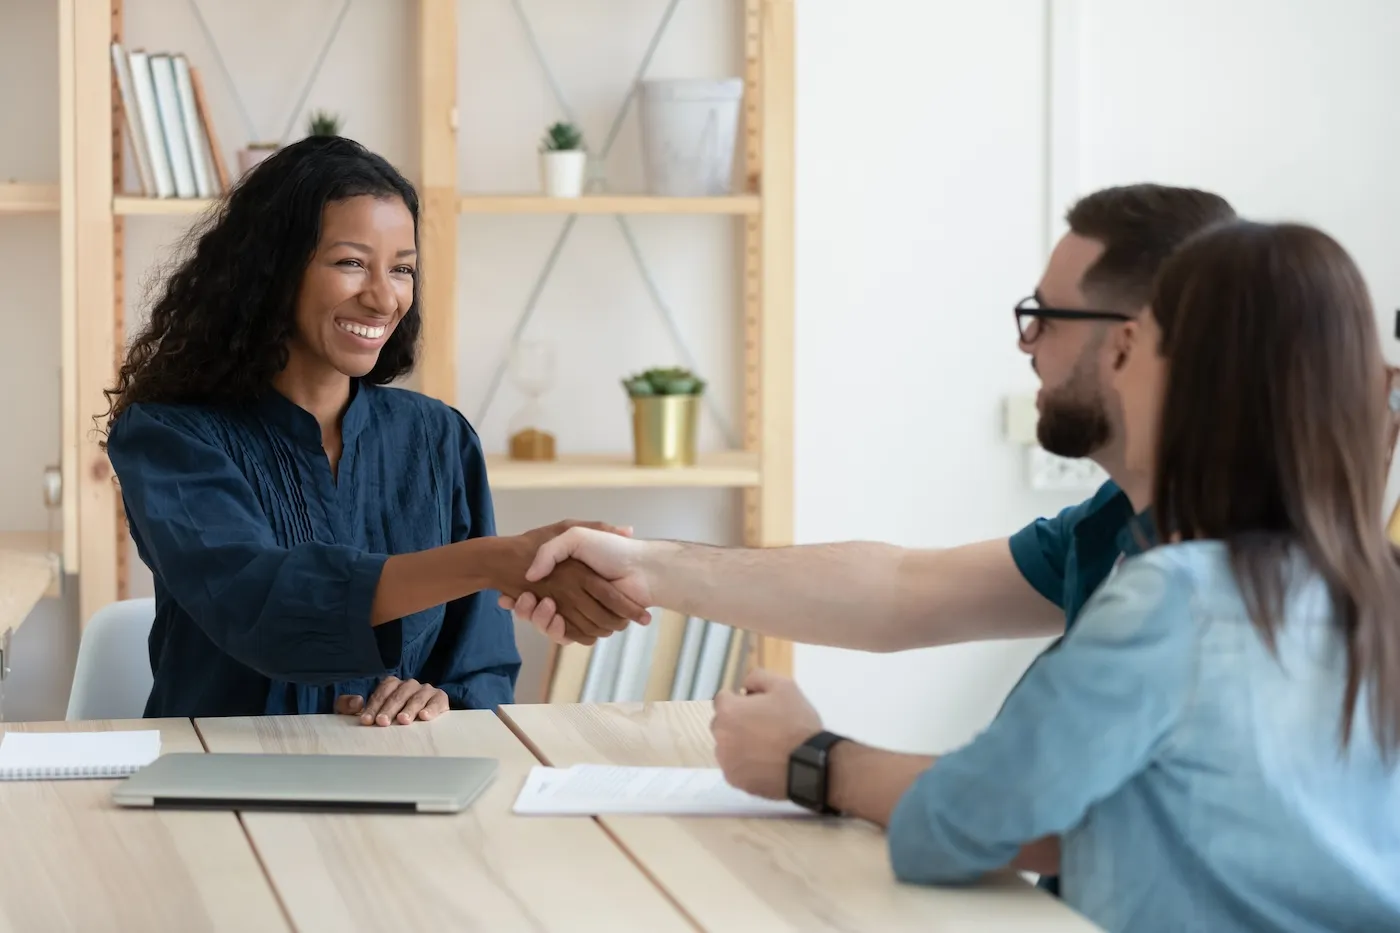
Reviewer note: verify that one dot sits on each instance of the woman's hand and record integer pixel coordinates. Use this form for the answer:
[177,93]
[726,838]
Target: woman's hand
[591,605]
[617,559]
[395,702]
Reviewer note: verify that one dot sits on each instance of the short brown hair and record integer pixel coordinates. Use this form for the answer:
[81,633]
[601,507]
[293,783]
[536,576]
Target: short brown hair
[1140,226]
[1273,435]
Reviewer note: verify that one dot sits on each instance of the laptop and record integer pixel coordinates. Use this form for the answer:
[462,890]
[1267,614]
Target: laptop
[230,781]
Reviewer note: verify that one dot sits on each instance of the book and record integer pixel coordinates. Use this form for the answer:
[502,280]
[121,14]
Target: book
[144,93]
[687,658]
[131,112]
[709,669]
[600,790]
[49,756]
[172,125]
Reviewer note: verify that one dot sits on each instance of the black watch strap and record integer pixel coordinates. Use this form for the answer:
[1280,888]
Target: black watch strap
[808,770]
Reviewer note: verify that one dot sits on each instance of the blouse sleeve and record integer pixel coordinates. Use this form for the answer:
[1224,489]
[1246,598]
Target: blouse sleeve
[1087,717]
[475,660]
[298,613]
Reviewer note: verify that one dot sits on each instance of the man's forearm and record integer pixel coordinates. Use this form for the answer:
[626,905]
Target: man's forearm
[845,594]
[858,594]
[867,783]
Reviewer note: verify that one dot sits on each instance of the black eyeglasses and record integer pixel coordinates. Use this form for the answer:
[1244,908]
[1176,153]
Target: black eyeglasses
[1030,329]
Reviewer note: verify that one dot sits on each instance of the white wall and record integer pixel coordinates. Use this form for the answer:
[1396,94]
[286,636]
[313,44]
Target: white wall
[921,186]
[924,189]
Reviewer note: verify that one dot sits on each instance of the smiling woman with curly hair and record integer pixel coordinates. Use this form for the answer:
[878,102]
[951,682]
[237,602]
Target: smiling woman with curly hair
[319,541]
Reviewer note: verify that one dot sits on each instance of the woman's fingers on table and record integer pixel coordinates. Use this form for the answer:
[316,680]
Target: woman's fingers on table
[349,704]
[375,704]
[437,704]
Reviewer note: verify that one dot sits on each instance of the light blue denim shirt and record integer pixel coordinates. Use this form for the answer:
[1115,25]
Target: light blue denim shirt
[1197,779]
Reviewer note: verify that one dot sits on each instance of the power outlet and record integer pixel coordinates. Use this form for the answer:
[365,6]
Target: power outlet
[53,487]
[1051,472]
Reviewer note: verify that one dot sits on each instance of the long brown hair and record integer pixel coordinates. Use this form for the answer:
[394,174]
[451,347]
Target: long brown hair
[1273,435]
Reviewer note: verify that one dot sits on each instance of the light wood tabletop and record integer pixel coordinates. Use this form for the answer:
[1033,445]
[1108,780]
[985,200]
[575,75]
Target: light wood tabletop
[70,859]
[767,874]
[483,869]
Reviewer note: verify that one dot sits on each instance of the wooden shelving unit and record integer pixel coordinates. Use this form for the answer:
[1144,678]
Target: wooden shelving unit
[763,210]
[31,562]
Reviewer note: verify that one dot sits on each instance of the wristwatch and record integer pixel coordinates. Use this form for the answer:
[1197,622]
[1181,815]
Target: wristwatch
[807,772]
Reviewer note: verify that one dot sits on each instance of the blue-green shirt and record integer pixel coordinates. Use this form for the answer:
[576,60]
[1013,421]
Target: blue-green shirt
[266,563]
[1068,556]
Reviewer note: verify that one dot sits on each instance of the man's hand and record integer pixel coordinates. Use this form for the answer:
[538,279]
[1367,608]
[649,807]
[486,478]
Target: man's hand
[615,558]
[393,702]
[756,732]
[584,604]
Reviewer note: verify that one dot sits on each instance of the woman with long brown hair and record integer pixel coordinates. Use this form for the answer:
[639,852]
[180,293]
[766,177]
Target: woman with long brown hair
[1216,740]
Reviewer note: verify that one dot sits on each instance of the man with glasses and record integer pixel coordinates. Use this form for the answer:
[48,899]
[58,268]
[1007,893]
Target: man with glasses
[1076,329]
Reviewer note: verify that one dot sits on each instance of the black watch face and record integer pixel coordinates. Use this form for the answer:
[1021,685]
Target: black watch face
[805,785]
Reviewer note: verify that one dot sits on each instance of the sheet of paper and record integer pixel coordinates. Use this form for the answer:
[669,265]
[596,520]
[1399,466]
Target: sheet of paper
[597,790]
[34,756]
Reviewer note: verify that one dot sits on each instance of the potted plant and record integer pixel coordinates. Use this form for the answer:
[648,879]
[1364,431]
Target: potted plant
[323,123]
[253,153]
[665,416]
[563,160]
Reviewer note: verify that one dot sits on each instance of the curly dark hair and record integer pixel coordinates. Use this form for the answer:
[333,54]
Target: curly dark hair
[219,330]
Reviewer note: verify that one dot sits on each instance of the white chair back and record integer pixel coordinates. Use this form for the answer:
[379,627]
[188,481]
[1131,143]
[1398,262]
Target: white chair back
[113,676]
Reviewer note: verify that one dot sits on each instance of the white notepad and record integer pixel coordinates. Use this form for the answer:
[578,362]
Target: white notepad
[598,790]
[47,756]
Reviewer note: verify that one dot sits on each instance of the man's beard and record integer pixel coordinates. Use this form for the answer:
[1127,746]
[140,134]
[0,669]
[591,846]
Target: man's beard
[1073,421]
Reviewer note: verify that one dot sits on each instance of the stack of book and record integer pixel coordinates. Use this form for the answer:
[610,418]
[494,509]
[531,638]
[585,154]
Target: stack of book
[167,122]
[675,657]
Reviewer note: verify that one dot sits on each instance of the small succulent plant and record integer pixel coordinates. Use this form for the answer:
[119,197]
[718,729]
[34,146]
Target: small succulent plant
[323,123]
[561,137]
[671,380]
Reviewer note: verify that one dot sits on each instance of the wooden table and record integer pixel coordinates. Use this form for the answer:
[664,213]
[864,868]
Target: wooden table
[70,859]
[483,869]
[767,874]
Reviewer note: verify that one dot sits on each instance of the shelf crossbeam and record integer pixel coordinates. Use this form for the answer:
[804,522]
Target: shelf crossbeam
[547,270]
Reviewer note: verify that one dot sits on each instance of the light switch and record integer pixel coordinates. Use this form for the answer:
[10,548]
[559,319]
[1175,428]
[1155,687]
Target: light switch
[1021,419]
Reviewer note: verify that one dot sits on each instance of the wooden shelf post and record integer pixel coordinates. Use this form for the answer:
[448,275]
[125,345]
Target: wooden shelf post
[768,286]
[437,191]
[94,243]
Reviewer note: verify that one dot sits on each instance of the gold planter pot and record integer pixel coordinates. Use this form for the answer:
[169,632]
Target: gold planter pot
[664,429]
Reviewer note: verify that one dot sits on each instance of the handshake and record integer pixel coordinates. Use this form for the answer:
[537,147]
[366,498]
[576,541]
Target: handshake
[577,581]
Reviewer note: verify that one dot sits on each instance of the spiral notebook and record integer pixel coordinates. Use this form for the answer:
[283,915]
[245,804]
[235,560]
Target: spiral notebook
[50,756]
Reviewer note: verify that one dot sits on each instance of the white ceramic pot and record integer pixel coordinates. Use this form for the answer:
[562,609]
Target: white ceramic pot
[562,172]
[689,132]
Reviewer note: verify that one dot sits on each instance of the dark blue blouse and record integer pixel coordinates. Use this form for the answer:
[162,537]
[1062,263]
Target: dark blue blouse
[265,564]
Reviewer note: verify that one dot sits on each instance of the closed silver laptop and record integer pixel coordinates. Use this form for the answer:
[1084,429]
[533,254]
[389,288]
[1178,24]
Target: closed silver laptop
[229,781]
